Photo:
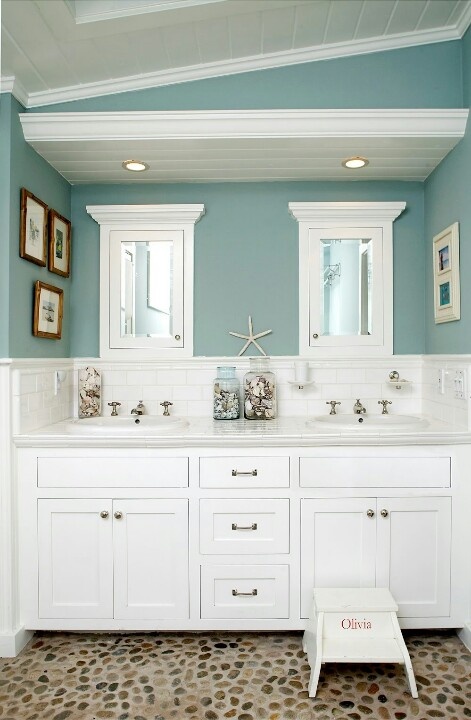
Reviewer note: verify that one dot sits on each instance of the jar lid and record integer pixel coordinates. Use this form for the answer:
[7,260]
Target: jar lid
[259,363]
[226,371]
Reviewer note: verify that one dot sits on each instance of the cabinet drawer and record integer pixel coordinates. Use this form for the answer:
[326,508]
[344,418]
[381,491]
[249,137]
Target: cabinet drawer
[244,591]
[244,526]
[244,472]
[112,472]
[389,472]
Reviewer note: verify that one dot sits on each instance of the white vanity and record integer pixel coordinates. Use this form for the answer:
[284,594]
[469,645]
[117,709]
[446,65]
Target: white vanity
[229,525]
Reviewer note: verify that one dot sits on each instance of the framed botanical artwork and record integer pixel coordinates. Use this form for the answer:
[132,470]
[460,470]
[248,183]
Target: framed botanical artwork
[59,244]
[446,274]
[48,309]
[33,228]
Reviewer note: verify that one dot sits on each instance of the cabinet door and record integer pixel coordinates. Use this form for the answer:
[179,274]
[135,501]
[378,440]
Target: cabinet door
[338,545]
[151,559]
[414,538]
[75,555]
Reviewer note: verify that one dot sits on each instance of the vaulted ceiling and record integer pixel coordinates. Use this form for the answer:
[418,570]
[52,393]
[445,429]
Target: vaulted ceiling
[59,50]
[56,50]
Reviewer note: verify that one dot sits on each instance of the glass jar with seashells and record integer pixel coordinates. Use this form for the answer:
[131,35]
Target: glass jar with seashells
[259,390]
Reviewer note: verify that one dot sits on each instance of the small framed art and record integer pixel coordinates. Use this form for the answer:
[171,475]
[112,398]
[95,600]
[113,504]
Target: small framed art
[33,228]
[48,309]
[59,244]
[446,274]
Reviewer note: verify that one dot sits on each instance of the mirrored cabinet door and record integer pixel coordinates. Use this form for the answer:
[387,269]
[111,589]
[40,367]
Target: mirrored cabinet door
[345,279]
[146,295]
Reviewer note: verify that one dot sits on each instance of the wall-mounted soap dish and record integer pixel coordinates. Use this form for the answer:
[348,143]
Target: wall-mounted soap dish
[397,381]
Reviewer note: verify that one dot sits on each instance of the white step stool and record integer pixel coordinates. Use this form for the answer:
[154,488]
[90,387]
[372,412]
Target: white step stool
[354,625]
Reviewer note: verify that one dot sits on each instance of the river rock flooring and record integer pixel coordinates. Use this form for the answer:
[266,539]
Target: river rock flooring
[213,676]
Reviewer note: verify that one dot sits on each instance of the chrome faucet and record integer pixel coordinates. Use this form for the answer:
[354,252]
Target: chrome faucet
[139,409]
[332,404]
[385,404]
[358,408]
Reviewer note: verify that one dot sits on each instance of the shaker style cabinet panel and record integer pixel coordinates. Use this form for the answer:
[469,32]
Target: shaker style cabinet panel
[75,554]
[126,559]
[403,544]
[247,526]
[73,472]
[338,538]
[151,559]
[244,472]
[414,553]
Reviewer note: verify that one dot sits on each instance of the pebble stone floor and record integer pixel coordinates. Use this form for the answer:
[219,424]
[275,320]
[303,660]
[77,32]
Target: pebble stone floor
[213,676]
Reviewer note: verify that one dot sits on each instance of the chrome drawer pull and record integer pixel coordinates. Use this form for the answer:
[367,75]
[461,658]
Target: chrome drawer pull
[244,527]
[250,472]
[253,592]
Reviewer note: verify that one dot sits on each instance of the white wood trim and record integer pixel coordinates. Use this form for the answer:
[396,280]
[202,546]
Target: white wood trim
[11,644]
[324,215]
[141,218]
[117,216]
[62,126]
[12,637]
[246,64]
[464,635]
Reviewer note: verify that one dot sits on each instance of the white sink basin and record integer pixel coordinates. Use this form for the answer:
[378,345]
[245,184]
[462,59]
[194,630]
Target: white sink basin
[370,422]
[126,425]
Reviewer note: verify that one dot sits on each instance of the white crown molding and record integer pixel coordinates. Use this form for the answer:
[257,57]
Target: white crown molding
[248,64]
[346,212]
[54,127]
[13,86]
[139,214]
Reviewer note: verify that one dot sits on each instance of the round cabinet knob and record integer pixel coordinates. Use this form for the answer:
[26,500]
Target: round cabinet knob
[370,513]
[118,514]
[104,514]
[315,336]
[177,337]
[384,513]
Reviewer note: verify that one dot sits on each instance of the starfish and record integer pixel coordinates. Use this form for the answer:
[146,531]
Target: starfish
[251,338]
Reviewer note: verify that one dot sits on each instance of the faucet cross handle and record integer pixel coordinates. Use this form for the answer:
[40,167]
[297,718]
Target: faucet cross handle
[385,404]
[114,405]
[332,404]
[165,404]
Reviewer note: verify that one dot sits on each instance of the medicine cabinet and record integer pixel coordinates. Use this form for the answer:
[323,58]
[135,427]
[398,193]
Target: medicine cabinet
[345,277]
[146,279]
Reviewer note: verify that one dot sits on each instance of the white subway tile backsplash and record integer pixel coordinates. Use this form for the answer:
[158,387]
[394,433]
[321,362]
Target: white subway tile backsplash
[171,377]
[190,388]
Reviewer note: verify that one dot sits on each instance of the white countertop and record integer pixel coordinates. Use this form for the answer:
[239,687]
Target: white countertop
[206,432]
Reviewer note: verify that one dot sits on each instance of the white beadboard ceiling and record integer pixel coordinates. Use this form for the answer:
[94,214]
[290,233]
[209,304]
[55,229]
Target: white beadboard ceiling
[248,145]
[59,50]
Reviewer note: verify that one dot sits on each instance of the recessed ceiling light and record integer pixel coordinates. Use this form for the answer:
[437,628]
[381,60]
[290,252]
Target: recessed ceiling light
[353,163]
[135,165]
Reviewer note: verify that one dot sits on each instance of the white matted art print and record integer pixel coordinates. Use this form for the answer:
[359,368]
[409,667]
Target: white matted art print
[48,309]
[446,274]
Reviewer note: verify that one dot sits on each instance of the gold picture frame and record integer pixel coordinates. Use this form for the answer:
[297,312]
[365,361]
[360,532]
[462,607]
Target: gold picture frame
[59,244]
[48,311]
[33,228]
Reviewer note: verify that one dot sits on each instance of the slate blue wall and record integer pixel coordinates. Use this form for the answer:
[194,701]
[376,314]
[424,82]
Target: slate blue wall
[29,170]
[448,200]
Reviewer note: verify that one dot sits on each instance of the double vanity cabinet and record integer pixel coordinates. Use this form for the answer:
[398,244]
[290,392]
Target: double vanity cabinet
[218,533]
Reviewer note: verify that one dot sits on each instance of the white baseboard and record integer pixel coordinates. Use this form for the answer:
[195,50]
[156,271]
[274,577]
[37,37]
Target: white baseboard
[12,644]
[464,635]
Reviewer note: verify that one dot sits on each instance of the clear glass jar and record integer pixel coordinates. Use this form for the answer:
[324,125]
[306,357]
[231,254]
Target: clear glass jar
[259,390]
[226,404]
